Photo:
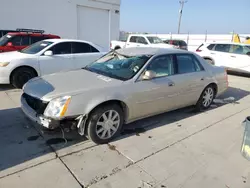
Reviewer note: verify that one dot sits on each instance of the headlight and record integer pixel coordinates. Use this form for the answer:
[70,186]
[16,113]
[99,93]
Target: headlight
[57,107]
[4,64]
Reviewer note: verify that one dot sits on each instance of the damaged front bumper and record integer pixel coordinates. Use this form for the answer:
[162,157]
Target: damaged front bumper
[70,122]
[40,119]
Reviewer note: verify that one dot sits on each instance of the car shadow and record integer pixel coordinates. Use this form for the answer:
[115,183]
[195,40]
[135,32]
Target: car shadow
[24,144]
[6,87]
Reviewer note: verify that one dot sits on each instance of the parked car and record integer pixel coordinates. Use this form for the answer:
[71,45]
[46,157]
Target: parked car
[179,44]
[46,57]
[121,87]
[5,31]
[139,40]
[233,56]
[22,38]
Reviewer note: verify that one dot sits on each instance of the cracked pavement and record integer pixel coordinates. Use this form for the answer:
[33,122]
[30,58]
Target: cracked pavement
[179,149]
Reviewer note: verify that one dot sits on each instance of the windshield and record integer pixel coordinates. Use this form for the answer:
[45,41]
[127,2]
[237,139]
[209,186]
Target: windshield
[36,47]
[154,40]
[118,66]
[4,39]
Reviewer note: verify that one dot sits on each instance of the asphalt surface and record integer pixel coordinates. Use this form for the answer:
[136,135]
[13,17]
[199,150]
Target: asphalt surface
[176,149]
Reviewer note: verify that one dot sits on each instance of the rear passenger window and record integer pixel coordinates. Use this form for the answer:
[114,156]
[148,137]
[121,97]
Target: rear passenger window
[133,39]
[80,47]
[25,41]
[211,46]
[222,47]
[61,48]
[187,63]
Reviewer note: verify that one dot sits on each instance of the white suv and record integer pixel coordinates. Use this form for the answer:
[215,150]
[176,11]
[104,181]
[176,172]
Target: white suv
[233,56]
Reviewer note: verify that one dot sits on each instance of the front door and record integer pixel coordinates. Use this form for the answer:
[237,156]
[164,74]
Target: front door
[158,94]
[61,60]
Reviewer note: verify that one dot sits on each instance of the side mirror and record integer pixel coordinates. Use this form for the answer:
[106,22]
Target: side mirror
[48,53]
[9,44]
[148,75]
[248,53]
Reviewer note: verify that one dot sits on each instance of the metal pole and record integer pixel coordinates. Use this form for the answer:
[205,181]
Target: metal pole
[180,14]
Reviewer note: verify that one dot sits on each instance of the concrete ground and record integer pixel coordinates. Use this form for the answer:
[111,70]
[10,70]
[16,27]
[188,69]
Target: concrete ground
[176,149]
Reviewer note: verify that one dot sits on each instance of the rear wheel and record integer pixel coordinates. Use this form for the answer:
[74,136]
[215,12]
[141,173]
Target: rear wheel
[105,123]
[22,75]
[206,98]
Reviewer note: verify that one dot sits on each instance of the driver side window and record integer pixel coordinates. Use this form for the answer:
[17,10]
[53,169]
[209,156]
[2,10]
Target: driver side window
[163,66]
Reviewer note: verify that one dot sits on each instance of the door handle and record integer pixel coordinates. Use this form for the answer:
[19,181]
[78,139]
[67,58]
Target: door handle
[232,56]
[212,53]
[202,79]
[171,84]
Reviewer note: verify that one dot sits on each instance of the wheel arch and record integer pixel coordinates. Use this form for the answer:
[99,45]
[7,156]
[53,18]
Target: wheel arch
[22,66]
[118,102]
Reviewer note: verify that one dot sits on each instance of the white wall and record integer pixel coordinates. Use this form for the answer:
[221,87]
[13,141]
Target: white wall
[194,41]
[54,16]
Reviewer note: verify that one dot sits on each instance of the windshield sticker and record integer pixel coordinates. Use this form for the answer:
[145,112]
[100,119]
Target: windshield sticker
[106,79]
[44,44]
[8,36]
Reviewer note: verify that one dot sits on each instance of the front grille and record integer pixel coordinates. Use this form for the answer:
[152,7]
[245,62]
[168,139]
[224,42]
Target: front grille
[36,104]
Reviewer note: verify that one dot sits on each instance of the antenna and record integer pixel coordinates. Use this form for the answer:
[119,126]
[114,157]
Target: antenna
[180,14]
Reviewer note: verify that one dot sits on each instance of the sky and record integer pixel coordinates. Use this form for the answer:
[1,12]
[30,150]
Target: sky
[161,16]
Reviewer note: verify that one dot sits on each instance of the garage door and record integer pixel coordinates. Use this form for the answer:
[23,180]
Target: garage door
[93,25]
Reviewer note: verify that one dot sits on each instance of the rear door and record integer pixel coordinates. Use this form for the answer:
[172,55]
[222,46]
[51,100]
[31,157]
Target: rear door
[191,79]
[83,54]
[61,60]
[220,54]
[238,58]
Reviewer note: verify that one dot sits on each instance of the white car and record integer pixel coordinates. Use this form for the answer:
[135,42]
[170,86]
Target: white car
[46,57]
[233,56]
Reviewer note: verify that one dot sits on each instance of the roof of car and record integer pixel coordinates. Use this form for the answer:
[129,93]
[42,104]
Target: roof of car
[136,51]
[243,44]
[66,40]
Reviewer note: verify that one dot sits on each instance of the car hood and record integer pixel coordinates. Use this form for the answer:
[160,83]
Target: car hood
[161,45]
[67,83]
[9,56]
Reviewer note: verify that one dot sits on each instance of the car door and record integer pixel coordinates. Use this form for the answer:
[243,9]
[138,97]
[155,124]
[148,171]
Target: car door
[158,94]
[191,78]
[84,54]
[238,58]
[61,60]
[136,41]
[220,54]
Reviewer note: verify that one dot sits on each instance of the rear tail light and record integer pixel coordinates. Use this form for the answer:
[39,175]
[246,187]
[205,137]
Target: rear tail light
[198,50]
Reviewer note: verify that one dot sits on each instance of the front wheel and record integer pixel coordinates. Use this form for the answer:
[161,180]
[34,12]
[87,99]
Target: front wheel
[105,123]
[206,98]
[22,75]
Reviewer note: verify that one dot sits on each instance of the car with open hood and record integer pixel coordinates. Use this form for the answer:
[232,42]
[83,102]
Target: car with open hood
[121,87]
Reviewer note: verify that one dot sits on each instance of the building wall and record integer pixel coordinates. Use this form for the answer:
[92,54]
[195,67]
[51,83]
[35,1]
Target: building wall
[55,16]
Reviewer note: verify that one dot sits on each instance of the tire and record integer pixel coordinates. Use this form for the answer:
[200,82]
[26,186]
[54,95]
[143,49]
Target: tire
[208,92]
[96,126]
[210,61]
[21,75]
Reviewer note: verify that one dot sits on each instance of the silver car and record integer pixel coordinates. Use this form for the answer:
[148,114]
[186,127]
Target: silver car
[121,87]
